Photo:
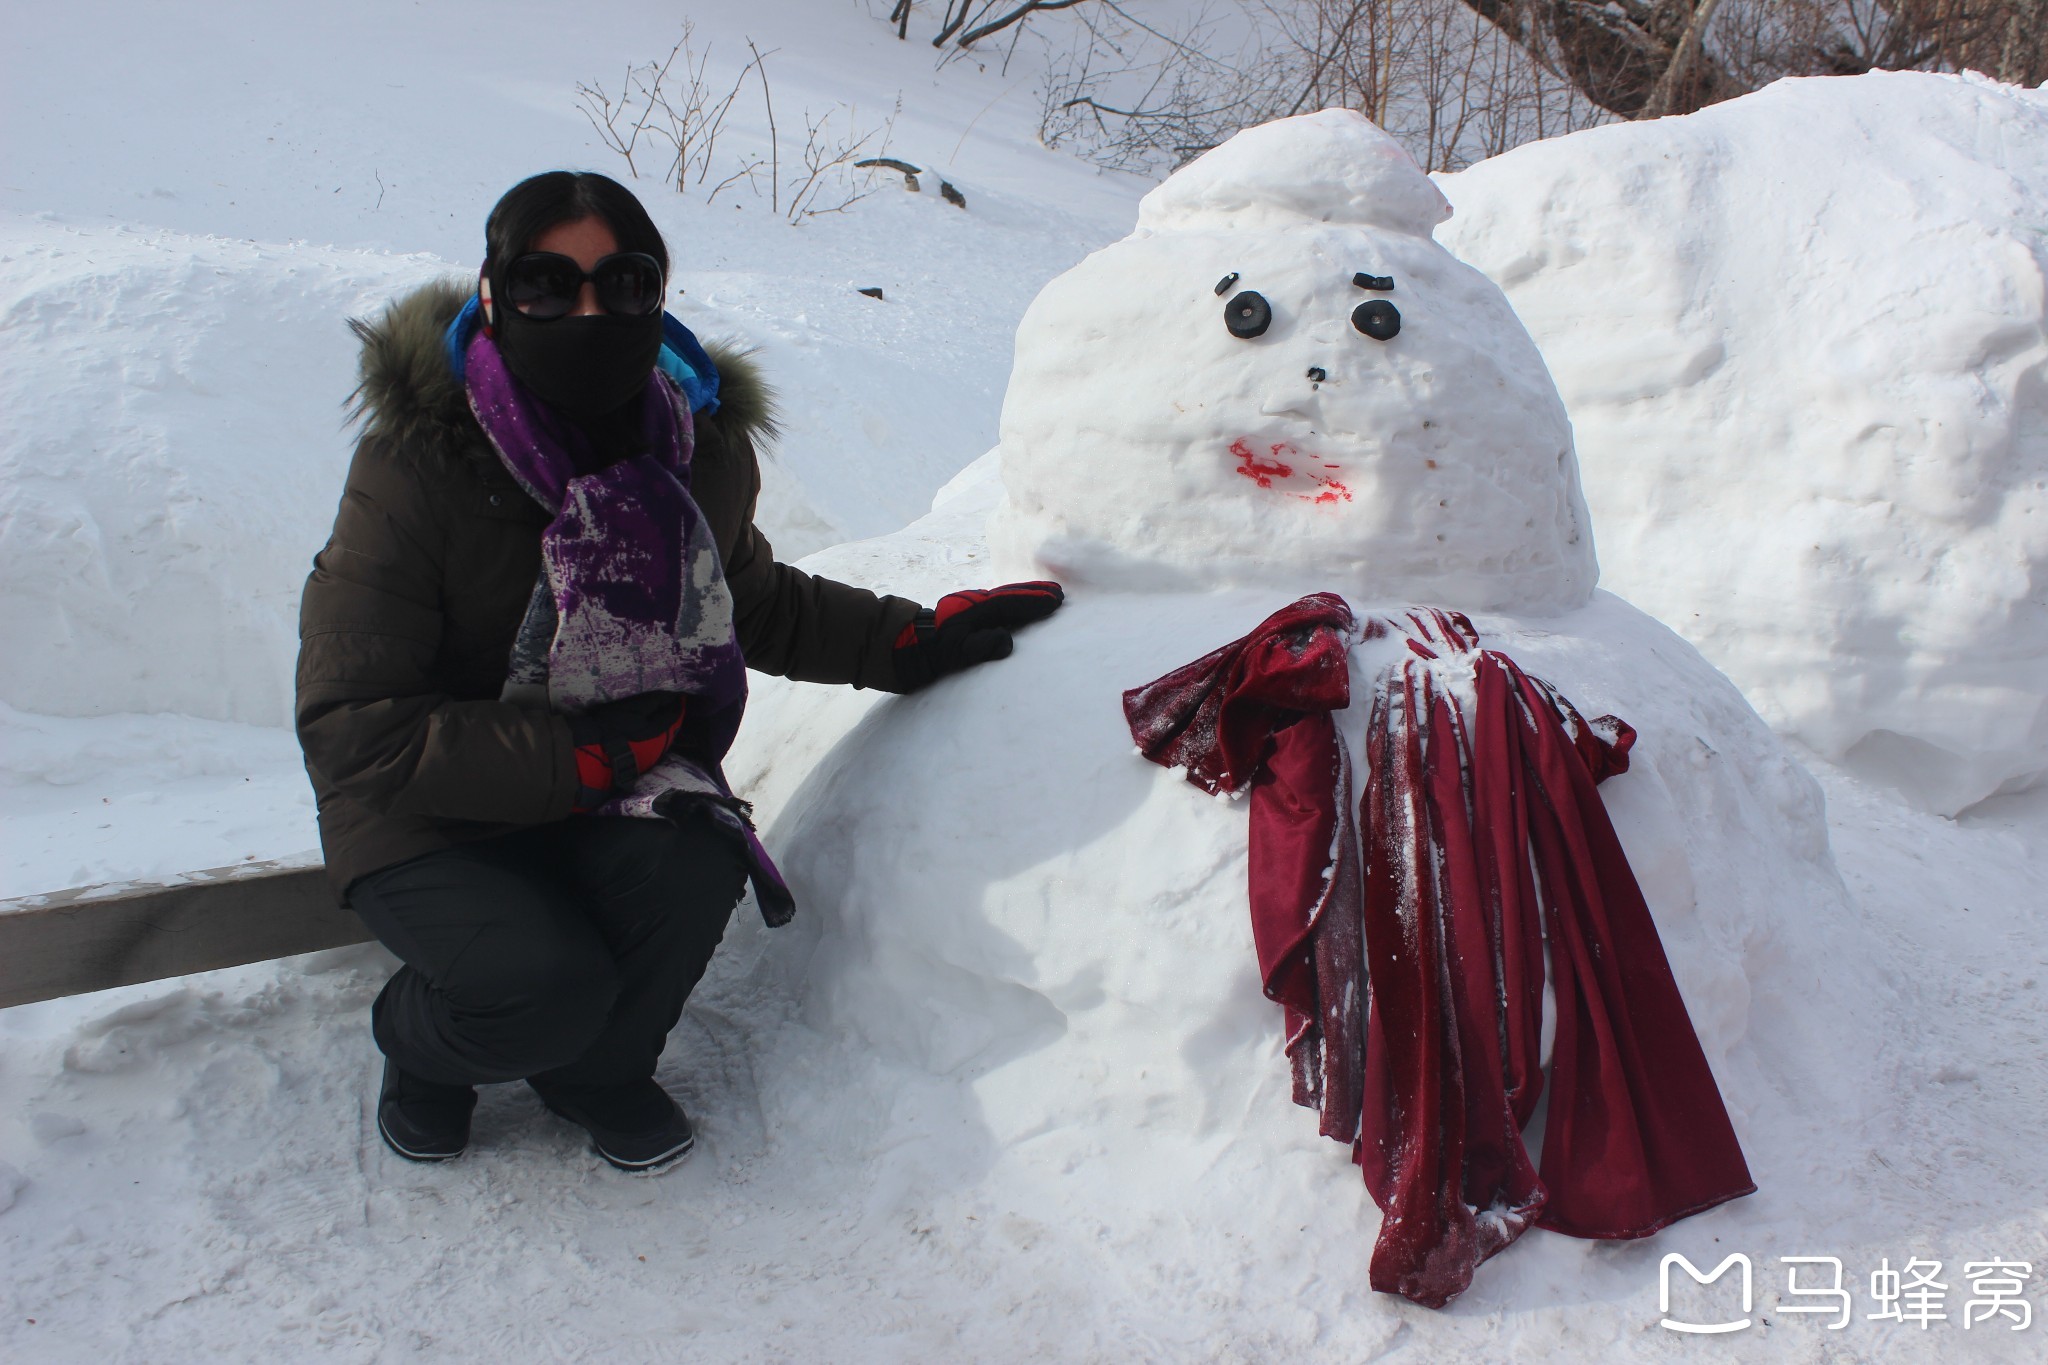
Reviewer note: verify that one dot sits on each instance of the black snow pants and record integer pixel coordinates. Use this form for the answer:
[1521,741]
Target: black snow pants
[561,954]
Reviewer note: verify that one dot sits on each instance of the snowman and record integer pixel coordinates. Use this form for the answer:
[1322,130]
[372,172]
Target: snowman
[1278,395]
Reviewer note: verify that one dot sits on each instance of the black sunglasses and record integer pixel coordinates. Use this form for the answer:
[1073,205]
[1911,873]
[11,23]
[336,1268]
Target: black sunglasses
[543,285]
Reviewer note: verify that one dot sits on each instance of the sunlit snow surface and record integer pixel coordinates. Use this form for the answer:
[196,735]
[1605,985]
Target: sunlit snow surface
[188,1170]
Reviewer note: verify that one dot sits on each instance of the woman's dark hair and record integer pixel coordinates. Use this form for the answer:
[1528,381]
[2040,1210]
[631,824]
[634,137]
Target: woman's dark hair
[551,198]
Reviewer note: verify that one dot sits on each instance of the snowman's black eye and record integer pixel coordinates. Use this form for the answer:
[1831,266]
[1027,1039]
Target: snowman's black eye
[1378,319]
[1247,315]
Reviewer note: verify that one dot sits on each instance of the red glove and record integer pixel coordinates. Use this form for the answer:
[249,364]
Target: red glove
[968,628]
[617,742]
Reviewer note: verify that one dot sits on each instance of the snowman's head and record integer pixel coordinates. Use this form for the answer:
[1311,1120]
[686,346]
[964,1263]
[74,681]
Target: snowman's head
[1280,379]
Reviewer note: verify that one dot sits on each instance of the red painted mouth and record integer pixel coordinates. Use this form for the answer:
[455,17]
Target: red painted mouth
[1270,471]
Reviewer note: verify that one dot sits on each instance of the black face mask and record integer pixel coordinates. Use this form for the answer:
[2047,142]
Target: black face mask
[585,366]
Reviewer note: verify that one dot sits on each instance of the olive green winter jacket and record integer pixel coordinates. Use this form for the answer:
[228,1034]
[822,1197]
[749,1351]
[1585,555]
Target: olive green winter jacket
[407,622]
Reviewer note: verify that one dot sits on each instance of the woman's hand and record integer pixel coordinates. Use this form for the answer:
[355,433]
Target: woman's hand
[617,742]
[969,628]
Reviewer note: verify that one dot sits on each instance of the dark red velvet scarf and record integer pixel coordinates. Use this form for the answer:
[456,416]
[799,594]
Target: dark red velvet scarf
[1407,948]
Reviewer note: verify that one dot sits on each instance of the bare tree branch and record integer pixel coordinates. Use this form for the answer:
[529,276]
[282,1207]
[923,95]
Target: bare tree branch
[975,35]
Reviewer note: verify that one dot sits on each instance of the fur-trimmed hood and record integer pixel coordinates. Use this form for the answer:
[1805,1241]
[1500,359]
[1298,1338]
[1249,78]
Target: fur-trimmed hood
[407,394]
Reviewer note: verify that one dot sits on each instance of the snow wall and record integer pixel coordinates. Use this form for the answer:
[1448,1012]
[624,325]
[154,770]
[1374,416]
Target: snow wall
[1801,338]
[173,452]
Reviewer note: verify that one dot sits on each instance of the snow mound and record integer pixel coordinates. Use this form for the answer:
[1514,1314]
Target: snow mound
[1154,435]
[170,463]
[1803,337]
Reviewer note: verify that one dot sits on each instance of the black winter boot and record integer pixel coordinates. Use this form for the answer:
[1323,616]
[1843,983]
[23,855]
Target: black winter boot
[423,1120]
[635,1126]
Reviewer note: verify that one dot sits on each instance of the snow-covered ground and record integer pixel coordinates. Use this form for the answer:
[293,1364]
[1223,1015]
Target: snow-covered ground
[190,204]
[192,1173]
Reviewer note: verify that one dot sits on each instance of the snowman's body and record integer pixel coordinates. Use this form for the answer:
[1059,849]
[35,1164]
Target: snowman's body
[997,888]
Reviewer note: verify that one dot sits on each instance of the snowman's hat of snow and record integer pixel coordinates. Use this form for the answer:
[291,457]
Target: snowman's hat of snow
[1335,166]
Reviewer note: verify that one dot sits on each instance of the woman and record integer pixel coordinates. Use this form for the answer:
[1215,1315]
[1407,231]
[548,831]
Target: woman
[522,658]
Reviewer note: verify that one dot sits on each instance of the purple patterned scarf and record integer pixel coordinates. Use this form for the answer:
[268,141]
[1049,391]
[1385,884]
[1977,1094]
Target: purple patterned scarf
[631,597]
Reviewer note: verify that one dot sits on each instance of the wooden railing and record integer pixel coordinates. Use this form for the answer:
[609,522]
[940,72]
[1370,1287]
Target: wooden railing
[92,938]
